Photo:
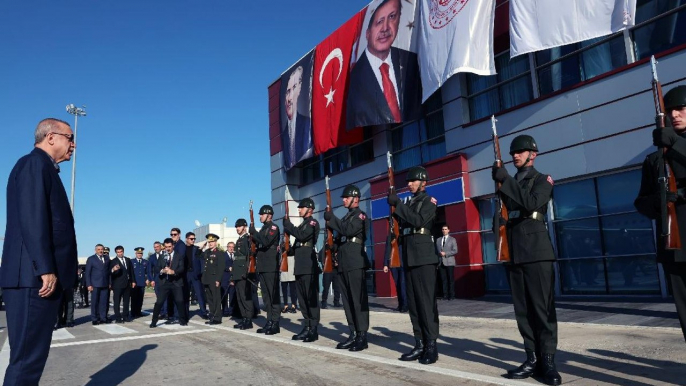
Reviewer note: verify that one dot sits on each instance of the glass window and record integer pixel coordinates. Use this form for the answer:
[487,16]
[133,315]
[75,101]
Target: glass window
[338,159]
[578,238]
[627,234]
[583,276]
[510,87]
[604,245]
[575,200]
[580,66]
[662,34]
[616,192]
[420,141]
[633,274]
[496,278]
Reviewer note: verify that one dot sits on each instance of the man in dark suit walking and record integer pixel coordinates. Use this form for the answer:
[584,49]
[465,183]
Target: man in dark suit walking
[39,258]
[384,83]
[171,270]
[154,274]
[98,282]
[121,270]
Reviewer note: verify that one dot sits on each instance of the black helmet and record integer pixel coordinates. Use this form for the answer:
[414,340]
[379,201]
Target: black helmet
[306,203]
[523,142]
[266,209]
[676,97]
[417,173]
[241,223]
[351,191]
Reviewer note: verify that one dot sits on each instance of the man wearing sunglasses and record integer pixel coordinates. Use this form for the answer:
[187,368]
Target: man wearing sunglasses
[179,249]
[39,259]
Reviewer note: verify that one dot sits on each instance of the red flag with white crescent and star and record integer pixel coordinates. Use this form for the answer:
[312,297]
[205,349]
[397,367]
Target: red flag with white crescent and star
[330,86]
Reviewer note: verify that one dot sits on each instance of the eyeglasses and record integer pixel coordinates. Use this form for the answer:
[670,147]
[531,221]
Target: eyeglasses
[173,234]
[69,137]
[191,238]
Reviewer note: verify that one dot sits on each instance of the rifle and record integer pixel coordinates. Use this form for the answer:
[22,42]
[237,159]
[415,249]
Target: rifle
[328,252]
[501,246]
[393,227]
[286,242]
[253,247]
[666,180]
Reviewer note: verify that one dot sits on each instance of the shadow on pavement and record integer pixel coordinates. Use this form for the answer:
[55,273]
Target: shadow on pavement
[121,368]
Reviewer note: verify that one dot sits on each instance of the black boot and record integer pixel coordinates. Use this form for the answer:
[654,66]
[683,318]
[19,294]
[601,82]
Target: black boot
[239,324]
[312,335]
[324,305]
[247,324]
[549,372]
[274,329]
[266,328]
[302,334]
[527,368]
[348,343]
[416,352]
[360,342]
[430,353]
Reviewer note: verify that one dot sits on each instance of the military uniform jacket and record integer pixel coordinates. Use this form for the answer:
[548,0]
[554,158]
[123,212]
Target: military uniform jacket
[267,239]
[240,258]
[351,255]
[528,238]
[648,200]
[140,271]
[213,264]
[419,212]
[305,257]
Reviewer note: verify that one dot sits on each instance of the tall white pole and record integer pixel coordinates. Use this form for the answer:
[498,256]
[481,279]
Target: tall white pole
[73,164]
[76,111]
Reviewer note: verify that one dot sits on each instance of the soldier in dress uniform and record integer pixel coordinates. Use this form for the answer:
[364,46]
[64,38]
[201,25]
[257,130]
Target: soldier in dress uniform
[416,219]
[672,138]
[267,260]
[306,268]
[241,278]
[530,272]
[213,268]
[140,277]
[352,264]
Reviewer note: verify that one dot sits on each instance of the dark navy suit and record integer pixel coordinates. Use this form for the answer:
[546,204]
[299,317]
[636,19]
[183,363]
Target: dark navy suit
[39,239]
[98,277]
[171,285]
[227,287]
[154,276]
[193,279]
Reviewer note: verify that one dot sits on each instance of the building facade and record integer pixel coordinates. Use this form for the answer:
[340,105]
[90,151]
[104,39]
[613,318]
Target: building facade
[589,106]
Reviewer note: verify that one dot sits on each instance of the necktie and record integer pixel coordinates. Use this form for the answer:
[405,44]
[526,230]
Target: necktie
[102,260]
[389,92]
[231,256]
[443,245]
[123,262]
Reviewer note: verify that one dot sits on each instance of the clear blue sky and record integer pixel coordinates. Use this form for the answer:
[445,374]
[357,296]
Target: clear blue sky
[176,95]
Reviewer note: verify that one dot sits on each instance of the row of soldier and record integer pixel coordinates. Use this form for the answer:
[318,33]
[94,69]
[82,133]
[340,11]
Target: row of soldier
[530,271]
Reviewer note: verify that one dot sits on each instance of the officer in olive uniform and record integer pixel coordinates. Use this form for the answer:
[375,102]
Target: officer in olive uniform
[213,263]
[530,271]
[352,264]
[140,276]
[416,219]
[241,278]
[267,260]
[648,203]
[306,268]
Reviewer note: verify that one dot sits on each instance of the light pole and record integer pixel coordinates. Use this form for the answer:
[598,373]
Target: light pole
[76,112]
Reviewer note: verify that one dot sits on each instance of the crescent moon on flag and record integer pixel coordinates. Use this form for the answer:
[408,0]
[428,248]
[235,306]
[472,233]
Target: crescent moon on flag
[336,53]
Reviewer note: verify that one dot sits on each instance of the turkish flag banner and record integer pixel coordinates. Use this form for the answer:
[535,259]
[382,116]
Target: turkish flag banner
[330,87]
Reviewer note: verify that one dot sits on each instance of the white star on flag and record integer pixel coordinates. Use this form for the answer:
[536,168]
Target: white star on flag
[329,96]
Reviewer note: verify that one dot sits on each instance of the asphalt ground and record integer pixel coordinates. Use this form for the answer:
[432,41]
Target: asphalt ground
[479,342]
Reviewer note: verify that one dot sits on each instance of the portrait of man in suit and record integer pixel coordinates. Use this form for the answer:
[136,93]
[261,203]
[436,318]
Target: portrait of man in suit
[384,82]
[296,133]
